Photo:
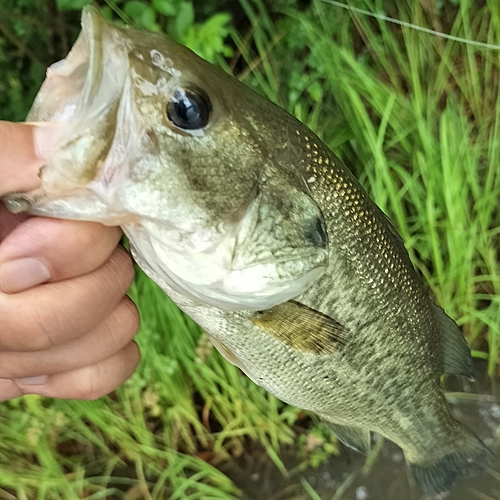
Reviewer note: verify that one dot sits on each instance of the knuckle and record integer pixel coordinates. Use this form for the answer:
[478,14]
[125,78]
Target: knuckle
[15,365]
[92,236]
[120,326]
[95,383]
[131,316]
[25,326]
[92,396]
[90,384]
[28,235]
[9,390]
[79,235]
[121,267]
[133,356]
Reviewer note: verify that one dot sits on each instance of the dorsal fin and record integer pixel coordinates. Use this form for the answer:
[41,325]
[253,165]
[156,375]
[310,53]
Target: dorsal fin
[302,328]
[454,349]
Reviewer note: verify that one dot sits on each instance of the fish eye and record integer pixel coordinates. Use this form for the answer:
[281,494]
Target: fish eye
[189,109]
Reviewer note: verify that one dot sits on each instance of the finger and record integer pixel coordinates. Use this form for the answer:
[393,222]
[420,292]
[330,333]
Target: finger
[90,382]
[8,221]
[9,390]
[112,335]
[56,313]
[19,163]
[47,250]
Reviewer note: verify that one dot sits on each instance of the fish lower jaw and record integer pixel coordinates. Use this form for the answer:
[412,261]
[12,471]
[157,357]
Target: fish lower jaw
[248,289]
[206,278]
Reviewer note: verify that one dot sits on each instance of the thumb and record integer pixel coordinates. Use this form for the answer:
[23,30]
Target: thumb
[23,150]
[19,163]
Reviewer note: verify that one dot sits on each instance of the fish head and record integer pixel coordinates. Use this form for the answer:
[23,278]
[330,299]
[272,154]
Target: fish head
[197,168]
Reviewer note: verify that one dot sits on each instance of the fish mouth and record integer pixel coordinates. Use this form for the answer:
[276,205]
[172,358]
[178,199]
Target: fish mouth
[81,93]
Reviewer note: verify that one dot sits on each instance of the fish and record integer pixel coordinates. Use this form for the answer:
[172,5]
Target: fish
[258,232]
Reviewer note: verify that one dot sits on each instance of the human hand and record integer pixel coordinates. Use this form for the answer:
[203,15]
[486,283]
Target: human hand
[66,325]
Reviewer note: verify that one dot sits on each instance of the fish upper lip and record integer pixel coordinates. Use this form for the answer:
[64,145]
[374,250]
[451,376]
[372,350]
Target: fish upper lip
[73,82]
[92,34]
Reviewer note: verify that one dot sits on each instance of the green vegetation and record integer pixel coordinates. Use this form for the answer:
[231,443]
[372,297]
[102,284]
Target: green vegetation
[417,117]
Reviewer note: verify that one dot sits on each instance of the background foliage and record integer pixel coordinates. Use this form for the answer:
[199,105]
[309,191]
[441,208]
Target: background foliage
[415,116]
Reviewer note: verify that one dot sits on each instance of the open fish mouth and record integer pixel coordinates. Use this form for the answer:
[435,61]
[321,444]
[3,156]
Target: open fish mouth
[81,93]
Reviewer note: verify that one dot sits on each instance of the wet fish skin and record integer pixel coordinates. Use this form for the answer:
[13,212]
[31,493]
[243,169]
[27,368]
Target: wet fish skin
[364,347]
[385,378]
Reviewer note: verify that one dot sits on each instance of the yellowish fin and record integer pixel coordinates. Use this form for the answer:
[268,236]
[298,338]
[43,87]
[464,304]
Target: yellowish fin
[302,328]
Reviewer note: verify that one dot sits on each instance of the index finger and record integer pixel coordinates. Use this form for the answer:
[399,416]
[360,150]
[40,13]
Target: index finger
[19,162]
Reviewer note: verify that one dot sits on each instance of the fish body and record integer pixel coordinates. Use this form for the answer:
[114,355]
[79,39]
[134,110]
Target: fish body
[259,233]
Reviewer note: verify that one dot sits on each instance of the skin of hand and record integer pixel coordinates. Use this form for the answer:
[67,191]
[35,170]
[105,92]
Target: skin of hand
[67,327]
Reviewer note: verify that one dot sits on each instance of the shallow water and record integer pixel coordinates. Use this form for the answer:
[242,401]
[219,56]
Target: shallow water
[347,477]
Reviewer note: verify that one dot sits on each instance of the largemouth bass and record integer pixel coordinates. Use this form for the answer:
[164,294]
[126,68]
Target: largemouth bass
[259,233]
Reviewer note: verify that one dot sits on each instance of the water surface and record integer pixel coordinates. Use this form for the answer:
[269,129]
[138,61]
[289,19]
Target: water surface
[349,477]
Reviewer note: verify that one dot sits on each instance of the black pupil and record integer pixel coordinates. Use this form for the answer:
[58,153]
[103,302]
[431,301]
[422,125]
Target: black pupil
[188,110]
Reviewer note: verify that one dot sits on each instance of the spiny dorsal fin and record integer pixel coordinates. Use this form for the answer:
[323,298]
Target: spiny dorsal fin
[302,328]
[454,349]
[354,437]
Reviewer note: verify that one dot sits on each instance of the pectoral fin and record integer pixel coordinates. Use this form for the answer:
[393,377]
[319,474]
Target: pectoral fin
[302,328]
[354,437]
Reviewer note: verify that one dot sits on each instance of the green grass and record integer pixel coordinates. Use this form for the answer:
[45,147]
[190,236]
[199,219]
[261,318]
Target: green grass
[424,119]
[418,119]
